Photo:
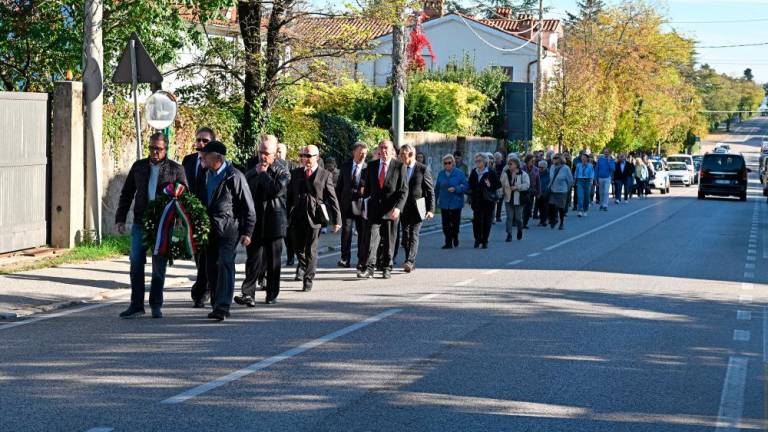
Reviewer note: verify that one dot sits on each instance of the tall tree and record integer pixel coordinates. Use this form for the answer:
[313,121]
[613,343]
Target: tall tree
[748,74]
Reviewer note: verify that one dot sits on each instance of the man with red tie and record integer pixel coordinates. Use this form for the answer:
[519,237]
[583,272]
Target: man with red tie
[386,191]
[311,203]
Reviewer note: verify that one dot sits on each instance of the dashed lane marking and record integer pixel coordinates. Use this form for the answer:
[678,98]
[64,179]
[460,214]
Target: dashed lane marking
[743,315]
[741,335]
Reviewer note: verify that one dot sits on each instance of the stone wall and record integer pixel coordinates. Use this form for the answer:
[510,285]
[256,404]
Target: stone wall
[436,145]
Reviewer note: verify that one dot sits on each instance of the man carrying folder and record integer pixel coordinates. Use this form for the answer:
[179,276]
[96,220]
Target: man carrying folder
[386,190]
[419,206]
[311,203]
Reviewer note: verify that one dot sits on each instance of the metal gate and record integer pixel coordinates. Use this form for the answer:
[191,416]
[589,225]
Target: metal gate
[24,122]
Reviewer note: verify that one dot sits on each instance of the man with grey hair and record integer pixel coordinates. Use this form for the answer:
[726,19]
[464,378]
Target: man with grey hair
[232,215]
[311,203]
[386,190]
[349,192]
[419,206]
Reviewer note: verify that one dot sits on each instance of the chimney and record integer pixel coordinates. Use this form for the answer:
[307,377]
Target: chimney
[433,8]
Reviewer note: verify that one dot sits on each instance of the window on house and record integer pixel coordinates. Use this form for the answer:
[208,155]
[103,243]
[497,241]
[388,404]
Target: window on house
[508,71]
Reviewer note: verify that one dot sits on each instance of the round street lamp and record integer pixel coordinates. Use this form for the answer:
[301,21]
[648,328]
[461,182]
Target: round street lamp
[160,109]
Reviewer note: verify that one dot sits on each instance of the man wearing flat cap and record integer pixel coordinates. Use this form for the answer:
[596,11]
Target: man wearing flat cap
[232,216]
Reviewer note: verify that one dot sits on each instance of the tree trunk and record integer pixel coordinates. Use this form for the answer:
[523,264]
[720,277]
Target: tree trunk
[249,13]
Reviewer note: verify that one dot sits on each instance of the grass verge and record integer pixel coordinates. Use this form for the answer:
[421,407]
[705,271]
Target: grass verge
[112,246]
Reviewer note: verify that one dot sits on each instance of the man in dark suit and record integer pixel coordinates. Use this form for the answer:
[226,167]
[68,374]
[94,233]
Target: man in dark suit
[622,177]
[268,182]
[194,168]
[386,191]
[348,191]
[419,206]
[282,158]
[311,202]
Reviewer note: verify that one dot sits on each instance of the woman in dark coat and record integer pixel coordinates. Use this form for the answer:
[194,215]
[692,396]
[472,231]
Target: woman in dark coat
[484,188]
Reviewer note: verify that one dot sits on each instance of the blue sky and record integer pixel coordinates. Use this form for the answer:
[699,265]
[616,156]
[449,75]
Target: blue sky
[687,16]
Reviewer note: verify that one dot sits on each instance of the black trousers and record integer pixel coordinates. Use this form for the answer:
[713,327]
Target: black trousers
[499,206]
[411,241]
[263,259]
[555,212]
[346,238]
[220,265]
[200,289]
[527,210]
[543,206]
[305,245]
[289,254]
[398,236]
[384,231]
[451,219]
[482,219]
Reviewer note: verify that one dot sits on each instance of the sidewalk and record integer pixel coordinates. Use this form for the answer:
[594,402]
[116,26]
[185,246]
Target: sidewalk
[27,293]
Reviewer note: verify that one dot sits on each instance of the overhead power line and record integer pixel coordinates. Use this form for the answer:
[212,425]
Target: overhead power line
[719,21]
[735,46]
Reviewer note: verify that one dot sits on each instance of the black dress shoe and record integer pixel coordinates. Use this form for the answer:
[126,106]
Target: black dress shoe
[509,238]
[477,245]
[218,314]
[307,286]
[386,274]
[290,262]
[132,312]
[485,245]
[156,312]
[198,304]
[343,264]
[519,234]
[270,301]
[456,242]
[365,274]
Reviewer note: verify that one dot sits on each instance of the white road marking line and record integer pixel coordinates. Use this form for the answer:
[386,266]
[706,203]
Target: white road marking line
[751,258]
[749,275]
[752,251]
[732,398]
[747,286]
[490,272]
[515,262]
[56,315]
[100,429]
[535,254]
[749,266]
[741,335]
[293,352]
[765,334]
[464,282]
[429,296]
[743,315]
[593,230]
[745,299]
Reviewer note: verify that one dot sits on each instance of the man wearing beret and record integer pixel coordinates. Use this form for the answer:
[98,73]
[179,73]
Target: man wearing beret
[232,216]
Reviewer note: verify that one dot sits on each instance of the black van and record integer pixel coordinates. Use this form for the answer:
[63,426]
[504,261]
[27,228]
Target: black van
[723,174]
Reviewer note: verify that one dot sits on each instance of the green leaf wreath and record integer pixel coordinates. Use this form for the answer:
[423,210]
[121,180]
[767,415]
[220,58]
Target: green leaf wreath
[189,210]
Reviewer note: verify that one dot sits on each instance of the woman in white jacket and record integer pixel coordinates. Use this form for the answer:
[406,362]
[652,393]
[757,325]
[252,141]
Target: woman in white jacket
[515,183]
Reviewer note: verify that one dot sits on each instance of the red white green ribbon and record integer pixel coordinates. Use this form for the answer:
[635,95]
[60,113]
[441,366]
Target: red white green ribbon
[175,225]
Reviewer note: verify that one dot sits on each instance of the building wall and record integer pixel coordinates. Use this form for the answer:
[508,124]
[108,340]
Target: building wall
[452,40]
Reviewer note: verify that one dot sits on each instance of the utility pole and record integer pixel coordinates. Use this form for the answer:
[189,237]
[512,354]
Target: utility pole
[398,78]
[539,51]
[93,84]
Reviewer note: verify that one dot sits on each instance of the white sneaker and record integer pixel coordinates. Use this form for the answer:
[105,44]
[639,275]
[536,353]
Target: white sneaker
[580,214]
[618,201]
[585,214]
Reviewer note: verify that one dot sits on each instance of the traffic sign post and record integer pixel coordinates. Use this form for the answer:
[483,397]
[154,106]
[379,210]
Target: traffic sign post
[135,67]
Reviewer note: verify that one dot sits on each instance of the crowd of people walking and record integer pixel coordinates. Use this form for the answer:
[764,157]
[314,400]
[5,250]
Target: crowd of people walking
[273,204]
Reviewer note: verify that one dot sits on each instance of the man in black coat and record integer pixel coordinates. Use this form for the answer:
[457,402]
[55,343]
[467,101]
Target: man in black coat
[282,158]
[145,181]
[386,191]
[311,202]
[232,216]
[348,191]
[268,182]
[622,178]
[195,171]
[419,206]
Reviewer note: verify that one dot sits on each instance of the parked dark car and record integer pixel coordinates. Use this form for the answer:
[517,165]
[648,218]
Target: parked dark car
[723,174]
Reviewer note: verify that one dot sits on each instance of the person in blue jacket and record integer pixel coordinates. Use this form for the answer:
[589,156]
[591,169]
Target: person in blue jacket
[449,192]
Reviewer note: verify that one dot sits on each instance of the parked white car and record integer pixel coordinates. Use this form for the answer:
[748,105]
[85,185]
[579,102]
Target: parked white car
[679,173]
[660,180]
[688,160]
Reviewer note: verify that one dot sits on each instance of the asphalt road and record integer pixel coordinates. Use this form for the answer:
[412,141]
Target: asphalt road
[649,317]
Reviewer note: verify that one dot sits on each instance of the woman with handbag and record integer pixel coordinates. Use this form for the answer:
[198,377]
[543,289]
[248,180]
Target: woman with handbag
[560,185]
[515,183]
[484,188]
